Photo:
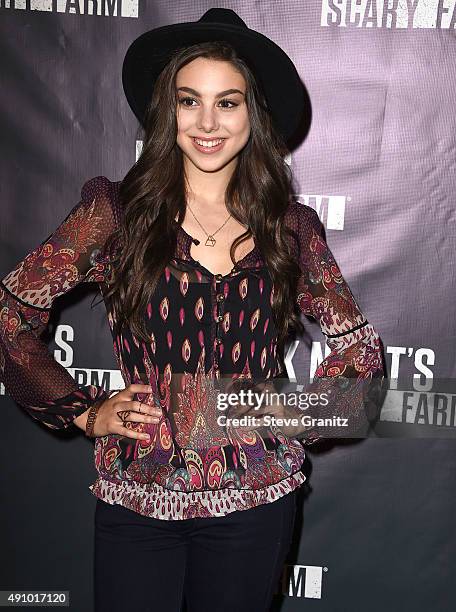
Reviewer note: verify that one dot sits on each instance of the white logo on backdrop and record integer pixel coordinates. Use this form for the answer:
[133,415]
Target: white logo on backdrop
[428,401]
[303,581]
[425,408]
[330,208]
[109,379]
[400,14]
[138,149]
[102,8]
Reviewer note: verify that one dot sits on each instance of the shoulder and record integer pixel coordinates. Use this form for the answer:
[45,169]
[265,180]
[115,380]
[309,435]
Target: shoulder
[298,214]
[102,194]
[302,221]
[98,186]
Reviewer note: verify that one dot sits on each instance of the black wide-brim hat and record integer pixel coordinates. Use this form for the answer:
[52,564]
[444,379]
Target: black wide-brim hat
[273,69]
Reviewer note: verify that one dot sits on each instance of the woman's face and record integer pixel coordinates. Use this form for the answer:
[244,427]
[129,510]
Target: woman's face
[211,107]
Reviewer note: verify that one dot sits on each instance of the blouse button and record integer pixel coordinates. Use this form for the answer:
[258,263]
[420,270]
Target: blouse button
[220,297]
[218,277]
[218,341]
[220,318]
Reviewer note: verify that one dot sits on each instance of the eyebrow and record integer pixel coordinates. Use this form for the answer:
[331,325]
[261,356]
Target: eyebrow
[219,95]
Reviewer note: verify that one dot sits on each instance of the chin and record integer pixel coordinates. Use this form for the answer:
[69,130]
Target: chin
[209,163]
[211,167]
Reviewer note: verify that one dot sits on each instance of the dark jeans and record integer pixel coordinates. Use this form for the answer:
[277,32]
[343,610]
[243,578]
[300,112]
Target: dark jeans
[220,564]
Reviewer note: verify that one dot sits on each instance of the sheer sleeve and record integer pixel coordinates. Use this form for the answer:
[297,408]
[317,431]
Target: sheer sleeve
[69,256]
[353,372]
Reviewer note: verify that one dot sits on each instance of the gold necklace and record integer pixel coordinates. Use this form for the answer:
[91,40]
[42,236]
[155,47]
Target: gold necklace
[210,240]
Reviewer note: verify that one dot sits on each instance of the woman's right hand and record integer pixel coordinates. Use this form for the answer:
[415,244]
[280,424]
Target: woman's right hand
[122,407]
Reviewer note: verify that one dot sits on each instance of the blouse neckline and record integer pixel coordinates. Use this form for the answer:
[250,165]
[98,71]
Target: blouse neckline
[253,256]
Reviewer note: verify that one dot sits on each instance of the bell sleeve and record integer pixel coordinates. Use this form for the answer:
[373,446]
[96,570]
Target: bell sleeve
[351,376]
[72,254]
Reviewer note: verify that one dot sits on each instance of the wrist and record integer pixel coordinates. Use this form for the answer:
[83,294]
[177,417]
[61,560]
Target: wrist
[92,417]
[81,420]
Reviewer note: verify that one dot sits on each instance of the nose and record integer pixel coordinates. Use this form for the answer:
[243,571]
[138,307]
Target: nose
[207,119]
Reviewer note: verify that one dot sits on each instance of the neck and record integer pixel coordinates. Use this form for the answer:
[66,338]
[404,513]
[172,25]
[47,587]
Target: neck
[206,190]
[201,205]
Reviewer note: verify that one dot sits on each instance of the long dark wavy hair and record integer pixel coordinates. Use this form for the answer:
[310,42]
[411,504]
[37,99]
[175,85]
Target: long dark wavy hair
[153,192]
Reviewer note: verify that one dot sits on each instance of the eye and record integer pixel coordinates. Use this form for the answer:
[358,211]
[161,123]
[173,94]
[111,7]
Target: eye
[224,100]
[182,100]
[229,102]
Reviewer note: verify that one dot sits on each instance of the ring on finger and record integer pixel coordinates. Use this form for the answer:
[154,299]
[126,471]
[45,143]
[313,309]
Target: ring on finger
[124,414]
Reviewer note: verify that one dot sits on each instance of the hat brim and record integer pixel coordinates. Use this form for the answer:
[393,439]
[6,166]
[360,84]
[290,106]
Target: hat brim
[273,69]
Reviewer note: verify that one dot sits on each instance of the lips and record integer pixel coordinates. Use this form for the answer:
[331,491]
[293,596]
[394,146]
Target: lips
[211,146]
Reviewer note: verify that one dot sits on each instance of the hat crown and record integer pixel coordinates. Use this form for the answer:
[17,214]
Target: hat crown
[222,15]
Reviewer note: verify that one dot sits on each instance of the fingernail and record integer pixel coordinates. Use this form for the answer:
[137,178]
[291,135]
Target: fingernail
[149,388]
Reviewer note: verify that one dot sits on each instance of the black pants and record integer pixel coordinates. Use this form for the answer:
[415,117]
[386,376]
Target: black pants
[227,563]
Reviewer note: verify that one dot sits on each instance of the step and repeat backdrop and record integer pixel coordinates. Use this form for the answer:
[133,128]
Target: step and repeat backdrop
[375,525]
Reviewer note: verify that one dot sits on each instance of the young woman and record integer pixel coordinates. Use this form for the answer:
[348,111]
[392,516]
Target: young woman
[204,263]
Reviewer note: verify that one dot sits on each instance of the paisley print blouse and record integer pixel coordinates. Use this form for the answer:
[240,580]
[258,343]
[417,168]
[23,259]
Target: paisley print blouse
[201,326]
